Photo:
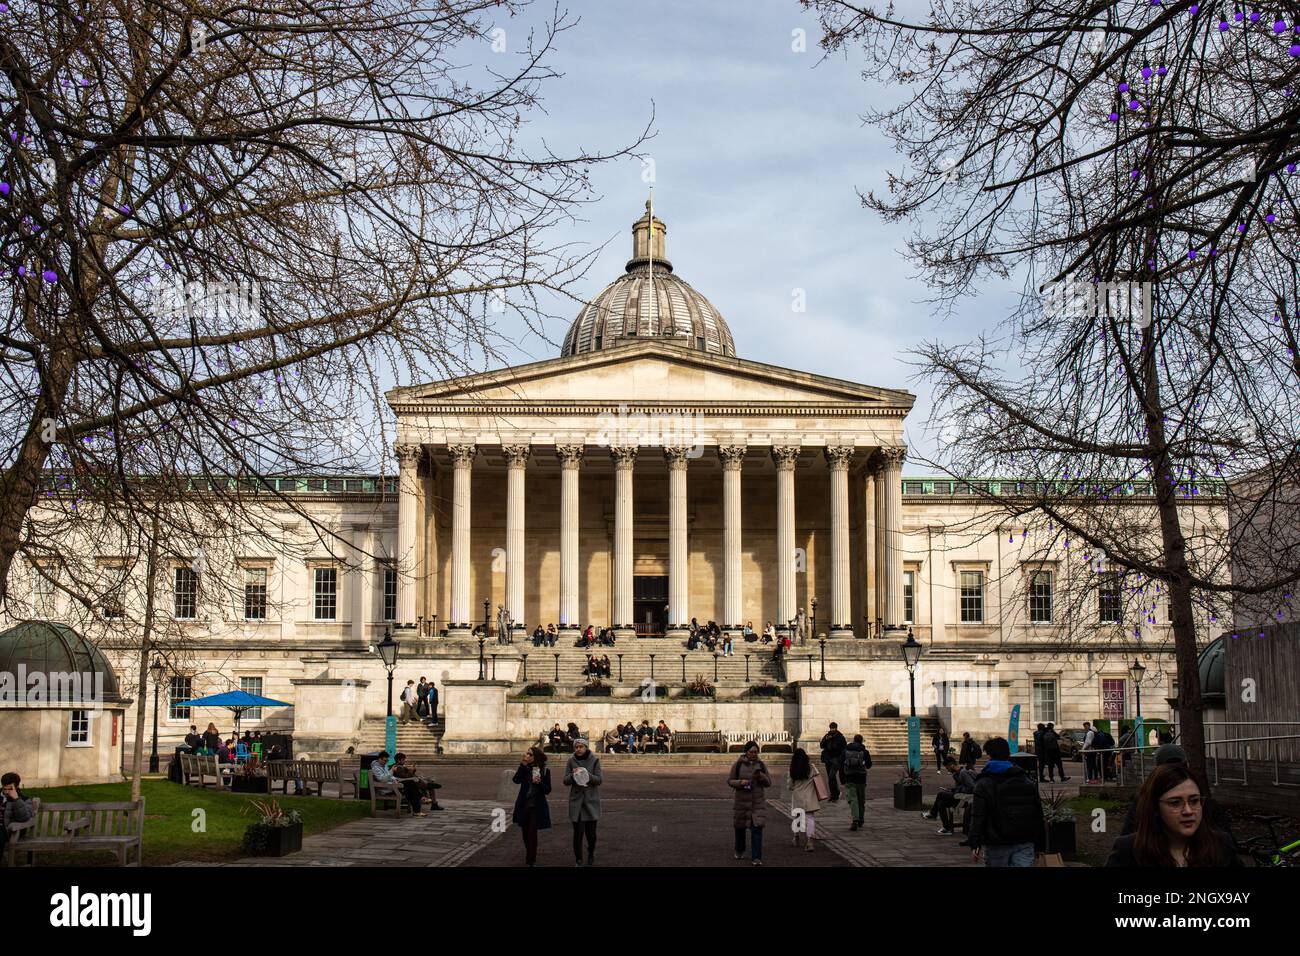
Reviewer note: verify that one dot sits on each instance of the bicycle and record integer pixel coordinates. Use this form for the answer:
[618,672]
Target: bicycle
[1268,850]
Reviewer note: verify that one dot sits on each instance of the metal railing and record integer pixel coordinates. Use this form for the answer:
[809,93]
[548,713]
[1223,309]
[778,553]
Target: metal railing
[1131,764]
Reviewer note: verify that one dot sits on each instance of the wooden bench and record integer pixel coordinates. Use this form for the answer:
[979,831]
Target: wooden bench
[318,772]
[703,739]
[73,827]
[766,739]
[386,793]
[202,766]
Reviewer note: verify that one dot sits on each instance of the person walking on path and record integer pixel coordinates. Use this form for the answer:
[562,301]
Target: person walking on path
[583,778]
[749,778]
[853,774]
[1039,756]
[1089,758]
[969,754]
[1006,814]
[832,746]
[532,812]
[802,783]
[939,744]
[1052,753]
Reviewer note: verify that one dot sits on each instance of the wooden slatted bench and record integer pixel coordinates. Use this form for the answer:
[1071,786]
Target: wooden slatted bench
[75,827]
[202,766]
[386,793]
[766,739]
[703,739]
[318,772]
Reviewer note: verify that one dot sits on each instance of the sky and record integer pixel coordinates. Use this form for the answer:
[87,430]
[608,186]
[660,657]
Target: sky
[759,153]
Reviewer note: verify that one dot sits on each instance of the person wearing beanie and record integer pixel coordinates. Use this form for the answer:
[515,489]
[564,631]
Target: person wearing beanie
[583,777]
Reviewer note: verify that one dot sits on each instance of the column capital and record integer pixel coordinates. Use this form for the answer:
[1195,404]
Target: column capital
[516,454]
[838,456]
[624,455]
[462,454]
[677,456]
[893,455]
[732,456]
[785,456]
[570,455]
[407,453]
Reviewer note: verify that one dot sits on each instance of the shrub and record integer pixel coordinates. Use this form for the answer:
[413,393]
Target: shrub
[540,689]
[700,687]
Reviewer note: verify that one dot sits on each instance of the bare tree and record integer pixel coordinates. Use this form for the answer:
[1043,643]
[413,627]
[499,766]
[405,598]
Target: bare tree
[225,228]
[1135,160]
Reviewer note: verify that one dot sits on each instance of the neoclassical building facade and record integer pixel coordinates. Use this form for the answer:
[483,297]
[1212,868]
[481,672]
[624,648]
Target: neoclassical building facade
[646,477]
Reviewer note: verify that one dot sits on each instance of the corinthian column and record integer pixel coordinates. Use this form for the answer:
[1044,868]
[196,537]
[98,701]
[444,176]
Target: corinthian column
[624,461]
[732,457]
[462,459]
[893,487]
[516,465]
[837,456]
[679,611]
[570,461]
[408,496]
[785,457]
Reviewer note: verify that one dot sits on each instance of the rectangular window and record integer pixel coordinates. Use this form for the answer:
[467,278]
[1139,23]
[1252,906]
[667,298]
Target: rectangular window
[252,685]
[390,594]
[185,594]
[1113,697]
[972,597]
[325,590]
[44,594]
[179,690]
[909,597]
[111,607]
[1040,597]
[79,728]
[255,594]
[1108,599]
[1044,701]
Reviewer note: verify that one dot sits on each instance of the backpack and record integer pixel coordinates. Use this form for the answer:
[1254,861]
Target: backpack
[1102,740]
[856,761]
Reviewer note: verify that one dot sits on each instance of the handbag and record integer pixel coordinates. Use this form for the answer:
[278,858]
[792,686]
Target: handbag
[819,785]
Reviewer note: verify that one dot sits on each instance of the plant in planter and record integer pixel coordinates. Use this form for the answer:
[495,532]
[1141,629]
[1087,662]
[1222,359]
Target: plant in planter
[277,832]
[765,690]
[540,689]
[700,687]
[247,779]
[596,688]
[907,791]
[1058,825]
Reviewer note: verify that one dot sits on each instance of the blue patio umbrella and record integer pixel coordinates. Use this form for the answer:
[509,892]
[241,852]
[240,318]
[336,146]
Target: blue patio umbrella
[237,701]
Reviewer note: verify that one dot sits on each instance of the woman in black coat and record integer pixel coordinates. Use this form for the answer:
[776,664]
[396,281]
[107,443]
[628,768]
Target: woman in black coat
[532,813]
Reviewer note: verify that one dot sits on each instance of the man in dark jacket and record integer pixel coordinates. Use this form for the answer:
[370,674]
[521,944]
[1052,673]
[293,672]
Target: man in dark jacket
[939,744]
[1038,752]
[833,745]
[854,764]
[969,754]
[14,807]
[963,782]
[1052,755]
[1006,814]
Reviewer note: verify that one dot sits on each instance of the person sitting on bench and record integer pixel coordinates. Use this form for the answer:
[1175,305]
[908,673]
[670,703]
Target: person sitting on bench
[555,739]
[948,797]
[406,772]
[379,773]
[663,736]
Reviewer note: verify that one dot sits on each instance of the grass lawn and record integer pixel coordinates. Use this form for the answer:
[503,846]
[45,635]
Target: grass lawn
[170,822]
[1094,848]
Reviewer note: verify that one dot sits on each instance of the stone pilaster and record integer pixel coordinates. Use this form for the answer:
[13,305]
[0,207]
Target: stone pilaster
[570,465]
[516,469]
[732,456]
[362,581]
[893,457]
[461,618]
[679,610]
[408,501]
[837,456]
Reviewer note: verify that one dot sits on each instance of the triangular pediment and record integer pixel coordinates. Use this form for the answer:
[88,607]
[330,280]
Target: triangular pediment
[646,373]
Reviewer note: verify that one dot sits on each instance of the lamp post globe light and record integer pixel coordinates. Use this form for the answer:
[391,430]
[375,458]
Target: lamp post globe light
[911,655]
[387,651]
[1137,670]
[156,670]
[821,639]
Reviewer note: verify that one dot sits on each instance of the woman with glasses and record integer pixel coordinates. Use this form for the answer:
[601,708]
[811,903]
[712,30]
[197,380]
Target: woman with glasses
[1172,827]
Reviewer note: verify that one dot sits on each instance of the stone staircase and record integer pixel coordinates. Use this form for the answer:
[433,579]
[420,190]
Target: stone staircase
[886,737]
[636,663]
[418,740]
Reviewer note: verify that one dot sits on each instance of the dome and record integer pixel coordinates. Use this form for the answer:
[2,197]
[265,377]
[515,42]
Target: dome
[648,301]
[40,647]
[1210,667]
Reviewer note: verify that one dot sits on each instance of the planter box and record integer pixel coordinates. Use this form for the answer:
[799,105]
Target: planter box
[1061,838]
[907,797]
[241,784]
[765,690]
[281,841]
[597,691]
[533,691]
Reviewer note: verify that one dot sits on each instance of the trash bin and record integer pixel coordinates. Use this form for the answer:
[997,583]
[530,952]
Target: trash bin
[174,766]
[363,777]
[1027,762]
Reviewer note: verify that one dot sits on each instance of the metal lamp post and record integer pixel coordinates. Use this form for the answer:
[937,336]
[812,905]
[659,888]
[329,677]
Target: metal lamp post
[156,670]
[387,651]
[813,604]
[911,655]
[821,639]
[1137,670]
[482,664]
